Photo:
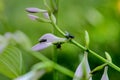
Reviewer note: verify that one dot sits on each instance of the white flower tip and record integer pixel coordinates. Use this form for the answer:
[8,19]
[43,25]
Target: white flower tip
[105,75]
[33,17]
[83,69]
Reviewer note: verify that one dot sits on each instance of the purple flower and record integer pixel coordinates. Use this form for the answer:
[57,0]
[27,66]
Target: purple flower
[105,75]
[46,41]
[83,70]
[35,10]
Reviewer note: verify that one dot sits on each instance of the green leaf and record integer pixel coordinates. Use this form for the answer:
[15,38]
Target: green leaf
[11,63]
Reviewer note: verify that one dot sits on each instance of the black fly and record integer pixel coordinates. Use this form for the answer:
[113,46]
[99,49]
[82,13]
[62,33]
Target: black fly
[58,45]
[43,40]
[69,36]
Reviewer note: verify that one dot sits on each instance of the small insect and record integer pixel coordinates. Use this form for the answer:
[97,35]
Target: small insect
[43,40]
[58,45]
[69,36]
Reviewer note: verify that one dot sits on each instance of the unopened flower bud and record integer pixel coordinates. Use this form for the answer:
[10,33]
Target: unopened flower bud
[33,17]
[35,10]
[108,56]
[53,18]
[98,68]
[87,40]
[46,15]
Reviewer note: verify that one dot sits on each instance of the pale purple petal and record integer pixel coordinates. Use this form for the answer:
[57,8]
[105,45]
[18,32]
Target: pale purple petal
[105,75]
[52,38]
[8,35]
[46,41]
[35,10]
[46,15]
[83,69]
[32,75]
[33,17]
[41,46]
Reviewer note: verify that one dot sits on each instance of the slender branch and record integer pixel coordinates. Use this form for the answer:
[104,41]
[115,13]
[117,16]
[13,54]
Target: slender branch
[84,48]
[58,29]
[105,60]
[55,65]
[54,5]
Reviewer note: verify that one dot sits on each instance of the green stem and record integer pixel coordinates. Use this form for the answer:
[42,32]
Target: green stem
[58,29]
[55,52]
[63,70]
[105,60]
[90,51]
[55,7]
[98,56]
[55,65]
[46,5]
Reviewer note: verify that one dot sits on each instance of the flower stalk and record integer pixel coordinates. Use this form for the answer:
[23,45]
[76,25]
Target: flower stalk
[84,48]
[53,20]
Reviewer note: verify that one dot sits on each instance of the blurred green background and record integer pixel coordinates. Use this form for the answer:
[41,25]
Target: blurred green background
[101,18]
